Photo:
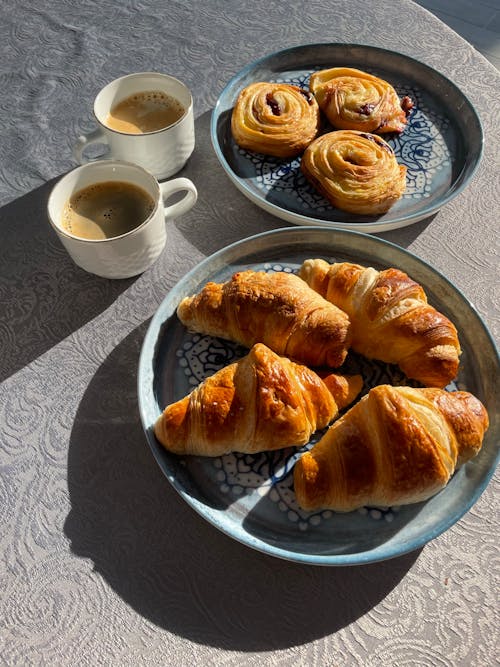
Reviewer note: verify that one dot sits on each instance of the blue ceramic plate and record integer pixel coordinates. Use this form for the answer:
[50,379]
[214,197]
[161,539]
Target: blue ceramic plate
[251,498]
[441,145]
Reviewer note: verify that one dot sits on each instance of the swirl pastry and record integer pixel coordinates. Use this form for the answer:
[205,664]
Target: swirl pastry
[356,171]
[275,119]
[355,100]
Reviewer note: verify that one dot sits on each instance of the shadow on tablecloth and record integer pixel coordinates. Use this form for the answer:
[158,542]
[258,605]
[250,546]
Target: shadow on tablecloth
[45,297]
[170,565]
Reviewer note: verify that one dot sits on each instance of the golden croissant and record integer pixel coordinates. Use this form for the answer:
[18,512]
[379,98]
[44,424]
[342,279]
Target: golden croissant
[355,100]
[277,309]
[275,119]
[357,172]
[390,319]
[397,445]
[261,402]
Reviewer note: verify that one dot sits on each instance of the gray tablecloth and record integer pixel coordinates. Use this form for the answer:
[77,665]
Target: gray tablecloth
[101,561]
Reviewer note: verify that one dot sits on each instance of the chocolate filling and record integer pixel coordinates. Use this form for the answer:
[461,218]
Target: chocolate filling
[407,104]
[376,140]
[308,95]
[366,109]
[275,107]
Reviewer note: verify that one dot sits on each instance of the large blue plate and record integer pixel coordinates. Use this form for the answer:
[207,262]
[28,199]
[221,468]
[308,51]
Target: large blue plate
[441,145]
[251,498]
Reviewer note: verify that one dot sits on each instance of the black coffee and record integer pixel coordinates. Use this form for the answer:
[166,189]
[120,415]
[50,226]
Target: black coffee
[105,210]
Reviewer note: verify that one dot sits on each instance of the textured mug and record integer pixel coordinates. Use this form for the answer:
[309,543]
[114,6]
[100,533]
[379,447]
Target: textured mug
[163,152]
[131,253]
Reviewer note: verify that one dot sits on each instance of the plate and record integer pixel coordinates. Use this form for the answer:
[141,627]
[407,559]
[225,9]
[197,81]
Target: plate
[441,146]
[250,497]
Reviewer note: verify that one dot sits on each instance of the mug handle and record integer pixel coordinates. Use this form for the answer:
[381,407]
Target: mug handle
[84,140]
[187,202]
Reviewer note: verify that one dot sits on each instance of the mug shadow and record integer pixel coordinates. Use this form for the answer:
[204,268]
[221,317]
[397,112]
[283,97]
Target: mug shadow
[170,565]
[45,297]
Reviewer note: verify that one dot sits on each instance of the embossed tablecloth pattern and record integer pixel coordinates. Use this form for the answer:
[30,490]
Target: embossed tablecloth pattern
[101,561]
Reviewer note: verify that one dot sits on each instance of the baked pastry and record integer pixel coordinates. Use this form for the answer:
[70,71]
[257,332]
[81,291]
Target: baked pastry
[397,445]
[275,119]
[261,402]
[390,318]
[277,309]
[355,100]
[357,172]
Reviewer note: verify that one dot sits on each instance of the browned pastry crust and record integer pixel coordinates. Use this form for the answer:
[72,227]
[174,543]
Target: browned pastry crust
[275,119]
[277,309]
[356,171]
[261,402]
[390,318]
[355,100]
[396,446]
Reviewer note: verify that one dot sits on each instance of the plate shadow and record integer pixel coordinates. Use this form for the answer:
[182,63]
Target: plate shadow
[176,569]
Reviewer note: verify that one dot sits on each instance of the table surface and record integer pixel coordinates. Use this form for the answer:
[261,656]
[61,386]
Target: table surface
[101,561]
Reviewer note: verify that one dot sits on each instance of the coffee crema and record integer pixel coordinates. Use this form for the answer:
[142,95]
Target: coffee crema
[144,112]
[105,210]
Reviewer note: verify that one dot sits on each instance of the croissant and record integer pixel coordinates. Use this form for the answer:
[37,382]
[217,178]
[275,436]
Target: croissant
[390,319]
[261,402]
[357,172]
[275,119]
[397,445]
[277,309]
[355,100]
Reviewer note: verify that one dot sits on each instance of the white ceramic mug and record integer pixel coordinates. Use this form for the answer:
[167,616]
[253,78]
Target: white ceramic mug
[132,253]
[163,152]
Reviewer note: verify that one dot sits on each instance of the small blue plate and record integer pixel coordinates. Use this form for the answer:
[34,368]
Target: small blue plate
[441,145]
[250,497]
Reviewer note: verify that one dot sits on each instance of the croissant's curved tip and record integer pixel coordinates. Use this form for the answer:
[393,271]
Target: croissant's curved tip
[158,429]
[307,482]
[315,273]
[344,388]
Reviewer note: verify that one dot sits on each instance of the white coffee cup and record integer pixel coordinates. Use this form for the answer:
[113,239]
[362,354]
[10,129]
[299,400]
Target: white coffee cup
[133,252]
[163,152]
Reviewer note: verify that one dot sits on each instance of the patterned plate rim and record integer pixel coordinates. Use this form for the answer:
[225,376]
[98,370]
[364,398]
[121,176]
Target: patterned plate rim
[169,464]
[386,224]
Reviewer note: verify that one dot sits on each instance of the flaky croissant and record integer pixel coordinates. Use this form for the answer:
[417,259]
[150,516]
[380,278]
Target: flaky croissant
[277,309]
[390,319]
[355,100]
[276,119]
[357,172]
[397,445]
[261,402]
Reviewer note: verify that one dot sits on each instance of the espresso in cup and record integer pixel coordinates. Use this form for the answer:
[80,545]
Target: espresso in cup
[106,210]
[146,111]
[146,118]
[111,216]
